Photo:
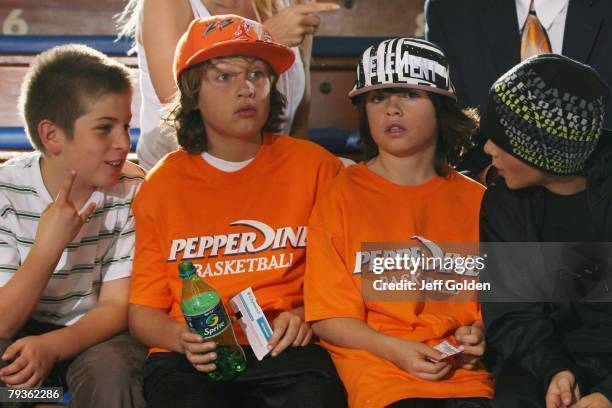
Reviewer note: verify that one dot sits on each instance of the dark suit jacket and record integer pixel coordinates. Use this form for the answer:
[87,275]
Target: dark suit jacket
[481,40]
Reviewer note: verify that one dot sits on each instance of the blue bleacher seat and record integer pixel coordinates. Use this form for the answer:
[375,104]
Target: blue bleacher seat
[14,138]
[337,141]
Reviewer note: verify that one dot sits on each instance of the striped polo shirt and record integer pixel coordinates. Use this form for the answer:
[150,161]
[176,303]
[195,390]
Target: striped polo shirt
[102,250]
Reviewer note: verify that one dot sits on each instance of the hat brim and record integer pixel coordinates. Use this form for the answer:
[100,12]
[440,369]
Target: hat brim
[278,56]
[427,88]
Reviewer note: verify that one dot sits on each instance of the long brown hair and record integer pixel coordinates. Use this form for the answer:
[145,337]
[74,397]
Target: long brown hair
[456,130]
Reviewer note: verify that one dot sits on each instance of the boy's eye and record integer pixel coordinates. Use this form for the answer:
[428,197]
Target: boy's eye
[411,94]
[104,128]
[256,74]
[377,97]
[223,77]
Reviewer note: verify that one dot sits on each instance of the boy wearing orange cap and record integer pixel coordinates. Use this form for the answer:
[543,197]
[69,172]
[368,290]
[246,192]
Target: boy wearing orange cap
[235,201]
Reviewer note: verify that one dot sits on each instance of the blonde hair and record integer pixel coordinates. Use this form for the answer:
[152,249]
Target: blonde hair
[127,20]
[265,9]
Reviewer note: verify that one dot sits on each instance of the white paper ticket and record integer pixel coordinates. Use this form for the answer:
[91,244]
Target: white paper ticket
[253,322]
[447,350]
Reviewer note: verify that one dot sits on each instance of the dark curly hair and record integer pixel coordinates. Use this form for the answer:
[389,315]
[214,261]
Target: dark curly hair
[185,117]
[456,130]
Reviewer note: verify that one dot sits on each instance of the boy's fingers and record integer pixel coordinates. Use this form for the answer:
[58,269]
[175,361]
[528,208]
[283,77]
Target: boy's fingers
[463,331]
[13,368]
[435,377]
[20,378]
[566,391]
[469,338]
[431,353]
[287,339]
[280,325]
[88,211]
[205,368]
[427,367]
[302,332]
[64,191]
[473,350]
[12,350]
[33,381]
[553,400]
[202,358]
[307,338]
[191,337]
[200,348]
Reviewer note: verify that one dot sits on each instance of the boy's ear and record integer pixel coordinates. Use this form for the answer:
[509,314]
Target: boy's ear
[51,136]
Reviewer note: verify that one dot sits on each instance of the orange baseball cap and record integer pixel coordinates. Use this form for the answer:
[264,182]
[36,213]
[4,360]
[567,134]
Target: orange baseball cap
[226,35]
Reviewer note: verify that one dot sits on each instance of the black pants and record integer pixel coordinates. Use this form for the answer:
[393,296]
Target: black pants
[300,377]
[442,403]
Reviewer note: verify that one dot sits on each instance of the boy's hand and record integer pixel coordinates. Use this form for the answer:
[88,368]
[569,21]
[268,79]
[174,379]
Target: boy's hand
[199,353]
[61,221]
[471,340]
[414,358]
[562,391]
[292,24]
[595,400]
[33,357]
[288,329]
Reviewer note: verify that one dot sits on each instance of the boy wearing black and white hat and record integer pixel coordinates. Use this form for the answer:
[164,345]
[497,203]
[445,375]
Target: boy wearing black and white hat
[544,122]
[388,353]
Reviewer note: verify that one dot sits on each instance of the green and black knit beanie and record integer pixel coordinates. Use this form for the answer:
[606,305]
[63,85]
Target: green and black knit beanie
[547,111]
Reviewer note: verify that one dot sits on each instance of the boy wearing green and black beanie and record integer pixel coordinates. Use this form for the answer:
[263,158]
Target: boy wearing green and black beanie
[544,122]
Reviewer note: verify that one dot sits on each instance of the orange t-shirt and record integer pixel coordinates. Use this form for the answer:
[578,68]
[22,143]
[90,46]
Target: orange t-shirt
[360,207]
[240,229]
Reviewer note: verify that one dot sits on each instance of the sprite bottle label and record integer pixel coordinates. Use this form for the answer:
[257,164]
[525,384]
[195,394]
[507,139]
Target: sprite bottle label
[209,324]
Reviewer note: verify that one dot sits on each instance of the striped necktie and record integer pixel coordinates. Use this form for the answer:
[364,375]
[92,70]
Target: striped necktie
[534,39]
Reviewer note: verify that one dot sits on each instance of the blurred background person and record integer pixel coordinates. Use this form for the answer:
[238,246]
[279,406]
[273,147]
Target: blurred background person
[484,38]
[157,26]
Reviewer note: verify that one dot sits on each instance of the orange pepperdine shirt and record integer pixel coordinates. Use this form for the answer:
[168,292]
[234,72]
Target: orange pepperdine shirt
[240,229]
[360,207]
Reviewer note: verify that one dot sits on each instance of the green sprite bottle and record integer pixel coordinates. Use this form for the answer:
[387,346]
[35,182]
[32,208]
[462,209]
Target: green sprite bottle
[206,315]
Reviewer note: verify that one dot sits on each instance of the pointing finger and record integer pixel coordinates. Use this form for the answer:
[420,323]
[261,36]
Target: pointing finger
[316,7]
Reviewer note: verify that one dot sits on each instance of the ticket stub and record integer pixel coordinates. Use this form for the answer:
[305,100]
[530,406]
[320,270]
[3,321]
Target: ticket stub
[253,322]
[447,350]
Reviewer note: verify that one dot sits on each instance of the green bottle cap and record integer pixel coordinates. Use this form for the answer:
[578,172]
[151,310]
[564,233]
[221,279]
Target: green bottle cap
[186,269]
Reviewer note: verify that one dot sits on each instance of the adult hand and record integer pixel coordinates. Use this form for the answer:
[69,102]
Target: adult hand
[562,391]
[32,359]
[293,23]
[416,359]
[471,340]
[198,352]
[289,329]
[60,222]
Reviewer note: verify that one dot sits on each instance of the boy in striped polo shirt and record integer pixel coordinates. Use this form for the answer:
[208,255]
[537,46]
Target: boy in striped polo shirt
[67,234]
